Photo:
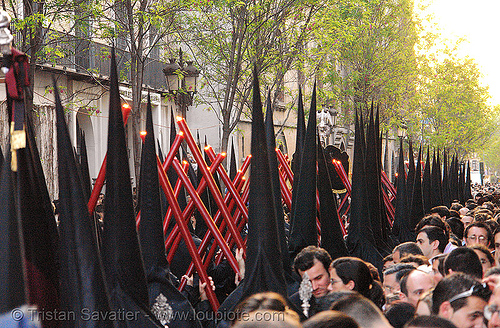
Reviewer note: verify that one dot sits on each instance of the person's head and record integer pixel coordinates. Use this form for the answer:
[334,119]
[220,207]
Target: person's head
[463,259]
[361,309]
[457,227]
[485,257]
[427,321]
[415,284]
[350,273]
[415,260]
[315,262]
[467,218]
[267,319]
[493,271]
[424,304]
[400,313]
[387,261]
[329,318]
[482,216]
[262,301]
[492,310]
[405,249]
[496,241]
[391,275]
[477,233]
[433,220]
[463,211]
[438,268]
[432,241]
[442,211]
[461,299]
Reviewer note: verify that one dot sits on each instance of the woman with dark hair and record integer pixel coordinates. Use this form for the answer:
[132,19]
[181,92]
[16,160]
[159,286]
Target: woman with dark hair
[485,257]
[266,301]
[350,273]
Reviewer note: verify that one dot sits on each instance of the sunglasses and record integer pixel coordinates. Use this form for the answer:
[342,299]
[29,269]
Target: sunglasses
[480,290]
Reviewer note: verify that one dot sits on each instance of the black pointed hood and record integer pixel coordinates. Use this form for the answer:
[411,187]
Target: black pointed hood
[301,133]
[232,163]
[453,176]
[446,181]
[273,167]
[373,185]
[39,228]
[303,231]
[331,234]
[84,165]
[417,206]
[122,259]
[426,184]
[13,290]
[436,193]
[461,183]
[468,182]
[172,174]
[151,226]
[81,276]
[401,227]
[263,269]
[410,180]
[360,240]
[160,152]
[160,287]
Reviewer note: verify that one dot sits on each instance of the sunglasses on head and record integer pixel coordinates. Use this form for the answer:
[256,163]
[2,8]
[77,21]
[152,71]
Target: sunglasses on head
[480,290]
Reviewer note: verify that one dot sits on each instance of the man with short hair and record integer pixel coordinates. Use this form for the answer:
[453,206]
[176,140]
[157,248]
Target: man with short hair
[465,260]
[362,310]
[314,262]
[414,284]
[392,277]
[492,310]
[461,299]
[432,241]
[442,211]
[477,233]
[496,243]
[404,249]
[467,218]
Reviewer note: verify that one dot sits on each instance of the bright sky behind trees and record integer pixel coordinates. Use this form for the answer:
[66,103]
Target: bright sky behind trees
[478,22]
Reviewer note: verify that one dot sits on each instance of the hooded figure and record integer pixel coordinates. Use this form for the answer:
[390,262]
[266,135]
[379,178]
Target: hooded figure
[303,231]
[163,296]
[83,289]
[360,240]
[290,276]
[427,184]
[417,206]
[39,229]
[401,227]
[121,253]
[331,234]
[263,265]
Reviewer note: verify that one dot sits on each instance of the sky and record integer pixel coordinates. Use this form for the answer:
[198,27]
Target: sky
[479,22]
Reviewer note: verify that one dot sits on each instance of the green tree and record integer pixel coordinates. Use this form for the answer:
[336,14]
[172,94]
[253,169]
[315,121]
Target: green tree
[454,109]
[227,38]
[368,54]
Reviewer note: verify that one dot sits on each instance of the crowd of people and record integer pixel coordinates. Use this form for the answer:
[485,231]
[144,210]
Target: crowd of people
[448,277]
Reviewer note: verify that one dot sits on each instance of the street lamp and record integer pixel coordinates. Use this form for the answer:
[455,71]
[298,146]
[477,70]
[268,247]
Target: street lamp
[182,78]
[402,130]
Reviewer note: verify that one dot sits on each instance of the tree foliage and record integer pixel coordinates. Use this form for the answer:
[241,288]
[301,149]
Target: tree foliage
[229,38]
[368,50]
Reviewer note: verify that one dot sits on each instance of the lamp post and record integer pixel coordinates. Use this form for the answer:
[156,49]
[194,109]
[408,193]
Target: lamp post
[181,78]
[402,129]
